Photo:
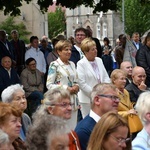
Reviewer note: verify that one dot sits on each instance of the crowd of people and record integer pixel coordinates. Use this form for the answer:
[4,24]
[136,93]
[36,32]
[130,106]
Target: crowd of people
[73,94]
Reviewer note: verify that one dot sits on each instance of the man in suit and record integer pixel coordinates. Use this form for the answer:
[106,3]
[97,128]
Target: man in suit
[19,51]
[8,75]
[136,40]
[77,54]
[104,99]
[5,46]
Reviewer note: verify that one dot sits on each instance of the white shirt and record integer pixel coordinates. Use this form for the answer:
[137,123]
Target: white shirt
[94,116]
[79,50]
[38,56]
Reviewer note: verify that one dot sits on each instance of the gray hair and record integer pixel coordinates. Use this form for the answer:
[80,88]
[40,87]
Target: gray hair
[4,139]
[143,106]
[101,89]
[50,97]
[8,93]
[44,130]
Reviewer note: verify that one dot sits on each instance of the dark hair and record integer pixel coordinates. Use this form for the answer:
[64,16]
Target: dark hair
[29,60]
[107,40]
[33,38]
[120,36]
[147,38]
[81,29]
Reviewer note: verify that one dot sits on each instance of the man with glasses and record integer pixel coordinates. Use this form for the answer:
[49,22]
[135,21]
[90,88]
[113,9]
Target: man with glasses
[31,80]
[104,99]
[77,54]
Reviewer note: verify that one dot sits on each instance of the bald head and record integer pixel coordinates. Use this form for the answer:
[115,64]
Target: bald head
[126,66]
[138,75]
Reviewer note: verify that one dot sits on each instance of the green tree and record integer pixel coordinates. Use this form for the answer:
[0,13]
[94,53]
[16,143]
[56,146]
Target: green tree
[56,22]
[9,25]
[12,7]
[137,17]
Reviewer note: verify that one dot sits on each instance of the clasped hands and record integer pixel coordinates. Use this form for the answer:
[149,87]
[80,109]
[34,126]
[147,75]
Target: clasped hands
[74,89]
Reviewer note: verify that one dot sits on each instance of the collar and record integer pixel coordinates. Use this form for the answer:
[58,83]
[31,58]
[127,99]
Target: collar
[94,116]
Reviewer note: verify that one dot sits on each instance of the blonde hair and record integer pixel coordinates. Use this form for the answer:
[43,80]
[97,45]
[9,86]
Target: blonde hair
[108,124]
[62,44]
[86,44]
[115,74]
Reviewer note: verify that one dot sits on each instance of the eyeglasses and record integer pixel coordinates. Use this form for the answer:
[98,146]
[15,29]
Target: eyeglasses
[80,34]
[64,105]
[32,64]
[112,97]
[121,140]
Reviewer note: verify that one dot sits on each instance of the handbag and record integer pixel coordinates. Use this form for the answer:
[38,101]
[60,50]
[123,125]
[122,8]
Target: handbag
[134,123]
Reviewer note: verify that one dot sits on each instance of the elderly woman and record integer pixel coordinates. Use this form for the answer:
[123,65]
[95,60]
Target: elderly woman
[110,133]
[57,102]
[91,71]
[48,133]
[62,73]
[15,95]
[141,142]
[125,107]
[10,123]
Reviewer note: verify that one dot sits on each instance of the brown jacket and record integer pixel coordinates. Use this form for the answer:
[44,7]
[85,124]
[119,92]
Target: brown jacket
[31,83]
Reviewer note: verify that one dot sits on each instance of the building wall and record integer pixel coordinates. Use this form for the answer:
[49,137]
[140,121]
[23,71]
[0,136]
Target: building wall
[32,17]
[102,24]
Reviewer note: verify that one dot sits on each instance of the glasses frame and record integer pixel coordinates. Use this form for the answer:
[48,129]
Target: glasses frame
[112,97]
[121,140]
[63,105]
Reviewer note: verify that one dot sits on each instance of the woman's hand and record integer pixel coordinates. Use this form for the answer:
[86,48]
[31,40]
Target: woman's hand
[132,111]
[74,89]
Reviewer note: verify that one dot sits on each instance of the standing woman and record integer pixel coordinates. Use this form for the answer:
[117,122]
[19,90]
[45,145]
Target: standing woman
[62,73]
[91,71]
[125,107]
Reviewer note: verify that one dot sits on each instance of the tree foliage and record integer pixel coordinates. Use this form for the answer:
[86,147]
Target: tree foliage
[137,17]
[56,22]
[12,7]
[9,24]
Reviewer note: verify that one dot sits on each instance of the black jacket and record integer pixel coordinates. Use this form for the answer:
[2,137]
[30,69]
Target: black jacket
[143,60]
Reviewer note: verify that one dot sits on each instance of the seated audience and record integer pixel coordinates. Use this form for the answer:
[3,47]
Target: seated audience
[15,95]
[48,133]
[8,75]
[10,122]
[126,66]
[31,80]
[137,86]
[104,99]
[141,142]
[125,107]
[57,102]
[110,133]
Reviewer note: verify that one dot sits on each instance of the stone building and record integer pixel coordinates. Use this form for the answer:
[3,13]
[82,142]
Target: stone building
[102,24]
[32,18]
